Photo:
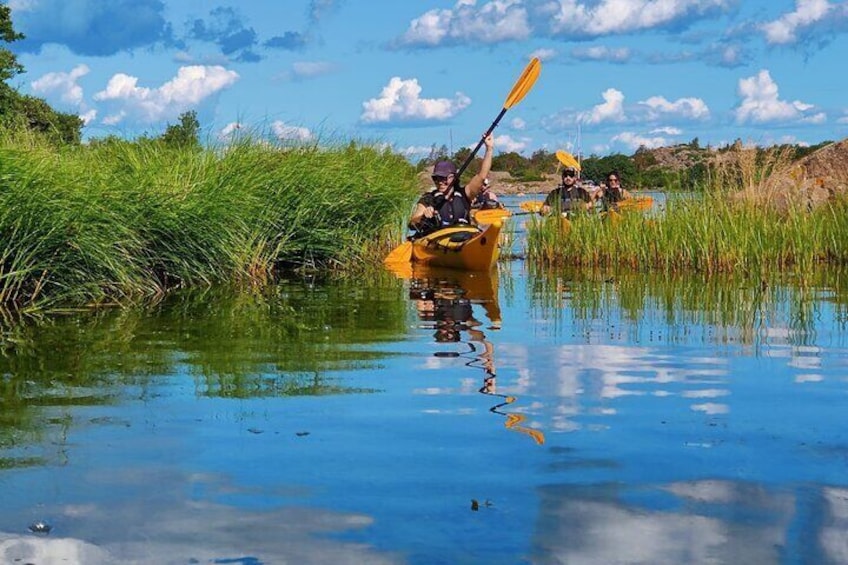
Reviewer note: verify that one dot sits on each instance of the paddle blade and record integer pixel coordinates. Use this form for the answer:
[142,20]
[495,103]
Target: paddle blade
[531,206]
[491,215]
[400,254]
[567,159]
[524,83]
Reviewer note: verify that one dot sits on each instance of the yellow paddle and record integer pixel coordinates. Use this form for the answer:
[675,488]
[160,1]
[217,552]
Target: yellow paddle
[519,90]
[490,215]
[531,206]
[522,86]
[567,159]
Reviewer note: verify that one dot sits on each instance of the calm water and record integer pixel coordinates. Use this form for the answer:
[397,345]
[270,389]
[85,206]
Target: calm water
[521,418]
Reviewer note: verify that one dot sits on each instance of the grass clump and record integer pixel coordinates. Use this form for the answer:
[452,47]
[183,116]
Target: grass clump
[744,223]
[119,220]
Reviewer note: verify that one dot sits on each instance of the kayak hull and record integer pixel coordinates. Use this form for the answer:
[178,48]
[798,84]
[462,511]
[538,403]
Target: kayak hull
[464,247]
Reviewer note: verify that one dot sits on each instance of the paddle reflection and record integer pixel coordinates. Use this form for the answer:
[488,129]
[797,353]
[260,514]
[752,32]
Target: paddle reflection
[446,299]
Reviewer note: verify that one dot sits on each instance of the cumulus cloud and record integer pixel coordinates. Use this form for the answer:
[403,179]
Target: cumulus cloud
[187,90]
[517,124]
[574,19]
[400,101]
[63,85]
[761,103]
[507,144]
[492,22]
[667,130]
[611,110]
[91,27]
[634,141]
[786,28]
[601,53]
[286,132]
[686,108]
[543,54]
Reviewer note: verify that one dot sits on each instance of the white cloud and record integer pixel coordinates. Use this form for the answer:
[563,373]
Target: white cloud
[612,109]
[667,130]
[602,53]
[760,102]
[229,131]
[88,116]
[191,86]
[843,119]
[493,22]
[287,132]
[310,69]
[635,141]
[507,144]
[400,100]
[573,18]
[543,54]
[785,29]
[517,124]
[63,84]
[688,108]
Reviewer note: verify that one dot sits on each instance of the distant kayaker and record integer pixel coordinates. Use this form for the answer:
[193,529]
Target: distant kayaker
[487,199]
[568,196]
[614,193]
[448,203]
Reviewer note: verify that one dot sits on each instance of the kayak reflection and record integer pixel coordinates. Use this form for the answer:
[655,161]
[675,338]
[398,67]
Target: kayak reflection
[446,299]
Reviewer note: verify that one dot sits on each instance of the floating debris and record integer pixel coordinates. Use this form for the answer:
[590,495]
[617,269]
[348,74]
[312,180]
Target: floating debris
[301,434]
[255,430]
[40,527]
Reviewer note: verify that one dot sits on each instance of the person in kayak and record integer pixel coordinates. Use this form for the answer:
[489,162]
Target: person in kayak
[614,193]
[568,196]
[487,199]
[448,203]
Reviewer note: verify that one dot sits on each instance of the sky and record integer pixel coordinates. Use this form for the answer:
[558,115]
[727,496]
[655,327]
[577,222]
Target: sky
[414,74]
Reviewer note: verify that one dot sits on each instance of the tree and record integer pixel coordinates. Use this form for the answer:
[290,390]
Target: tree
[27,112]
[184,134]
[9,66]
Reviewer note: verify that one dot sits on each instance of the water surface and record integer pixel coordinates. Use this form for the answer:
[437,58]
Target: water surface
[446,418]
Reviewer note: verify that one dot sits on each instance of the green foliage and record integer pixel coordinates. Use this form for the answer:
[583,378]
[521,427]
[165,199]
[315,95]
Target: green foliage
[118,220]
[709,234]
[185,134]
[18,111]
[9,66]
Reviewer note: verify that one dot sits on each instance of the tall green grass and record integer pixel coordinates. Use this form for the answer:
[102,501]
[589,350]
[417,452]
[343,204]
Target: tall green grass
[117,221]
[752,219]
[710,235]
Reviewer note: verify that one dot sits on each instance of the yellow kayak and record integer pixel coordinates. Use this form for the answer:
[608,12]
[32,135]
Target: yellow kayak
[459,247]
[637,203]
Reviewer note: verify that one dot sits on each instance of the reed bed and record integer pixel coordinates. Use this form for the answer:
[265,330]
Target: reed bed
[117,221]
[737,225]
[707,235]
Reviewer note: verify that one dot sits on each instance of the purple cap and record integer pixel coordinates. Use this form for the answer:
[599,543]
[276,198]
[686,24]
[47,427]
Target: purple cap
[444,168]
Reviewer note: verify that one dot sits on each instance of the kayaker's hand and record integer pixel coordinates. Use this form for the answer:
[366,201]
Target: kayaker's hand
[429,212]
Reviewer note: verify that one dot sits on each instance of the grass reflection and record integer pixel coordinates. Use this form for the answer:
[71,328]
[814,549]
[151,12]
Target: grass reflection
[284,340]
[729,308]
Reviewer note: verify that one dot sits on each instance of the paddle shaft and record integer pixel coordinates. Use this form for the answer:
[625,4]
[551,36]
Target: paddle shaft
[479,145]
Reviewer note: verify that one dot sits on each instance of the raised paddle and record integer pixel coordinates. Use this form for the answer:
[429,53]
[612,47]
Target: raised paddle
[567,159]
[522,86]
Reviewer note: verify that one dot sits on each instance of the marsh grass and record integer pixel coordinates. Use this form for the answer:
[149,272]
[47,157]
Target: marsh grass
[733,227]
[117,221]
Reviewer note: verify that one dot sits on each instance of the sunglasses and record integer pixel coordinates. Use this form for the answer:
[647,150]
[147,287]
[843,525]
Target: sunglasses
[570,175]
[439,178]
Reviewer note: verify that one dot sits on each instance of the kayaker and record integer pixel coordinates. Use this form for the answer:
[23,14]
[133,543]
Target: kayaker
[449,203]
[487,199]
[614,193]
[568,196]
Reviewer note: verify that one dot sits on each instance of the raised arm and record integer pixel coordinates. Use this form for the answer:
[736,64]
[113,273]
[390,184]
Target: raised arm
[472,189]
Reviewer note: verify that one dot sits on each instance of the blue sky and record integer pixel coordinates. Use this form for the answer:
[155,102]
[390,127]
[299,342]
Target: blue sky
[616,74]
